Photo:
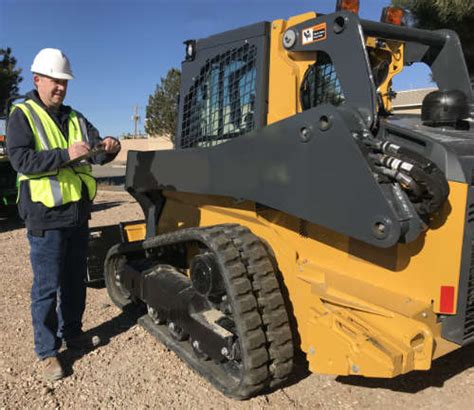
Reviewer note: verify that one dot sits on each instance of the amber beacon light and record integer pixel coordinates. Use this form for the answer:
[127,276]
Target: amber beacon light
[393,15]
[348,5]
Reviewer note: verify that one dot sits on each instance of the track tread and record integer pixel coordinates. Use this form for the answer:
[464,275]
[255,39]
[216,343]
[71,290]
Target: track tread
[270,302]
[252,337]
[258,308]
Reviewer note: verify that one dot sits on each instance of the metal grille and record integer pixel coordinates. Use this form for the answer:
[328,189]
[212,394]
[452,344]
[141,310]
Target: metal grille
[220,105]
[320,84]
[459,328]
[469,312]
[469,319]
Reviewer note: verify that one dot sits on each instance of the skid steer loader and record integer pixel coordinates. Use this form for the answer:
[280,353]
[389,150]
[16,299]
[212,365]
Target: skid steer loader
[297,212]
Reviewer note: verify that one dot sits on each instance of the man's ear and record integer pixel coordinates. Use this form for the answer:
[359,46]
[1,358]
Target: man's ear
[36,79]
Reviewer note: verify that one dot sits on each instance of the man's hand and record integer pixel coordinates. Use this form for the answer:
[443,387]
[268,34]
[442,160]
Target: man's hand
[78,149]
[111,145]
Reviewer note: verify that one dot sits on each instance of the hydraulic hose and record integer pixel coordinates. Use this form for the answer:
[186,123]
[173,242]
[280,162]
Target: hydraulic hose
[426,182]
[426,173]
[405,181]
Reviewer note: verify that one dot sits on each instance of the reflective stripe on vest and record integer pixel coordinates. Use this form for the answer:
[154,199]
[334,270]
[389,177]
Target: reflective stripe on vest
[82,124]
[39,127]
[64,185]
[56,191]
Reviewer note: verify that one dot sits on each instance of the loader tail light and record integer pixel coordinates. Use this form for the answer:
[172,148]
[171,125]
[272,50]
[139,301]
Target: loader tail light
[446,301]
[348,5]
[2,138]
[393,15]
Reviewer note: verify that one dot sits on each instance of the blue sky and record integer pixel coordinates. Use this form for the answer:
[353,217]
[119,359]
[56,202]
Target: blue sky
[119,49]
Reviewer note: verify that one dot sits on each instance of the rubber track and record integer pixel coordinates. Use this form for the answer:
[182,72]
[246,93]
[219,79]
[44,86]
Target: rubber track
[260,270]
[256,359]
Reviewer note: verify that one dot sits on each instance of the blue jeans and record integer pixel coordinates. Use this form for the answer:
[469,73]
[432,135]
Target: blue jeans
[58,295]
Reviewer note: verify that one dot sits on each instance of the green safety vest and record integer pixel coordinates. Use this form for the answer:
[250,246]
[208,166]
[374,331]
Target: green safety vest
[63,185]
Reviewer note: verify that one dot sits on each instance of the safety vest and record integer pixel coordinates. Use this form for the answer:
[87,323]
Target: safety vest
[63,185]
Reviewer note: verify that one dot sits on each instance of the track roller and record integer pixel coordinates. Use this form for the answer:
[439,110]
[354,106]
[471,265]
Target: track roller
[226,320]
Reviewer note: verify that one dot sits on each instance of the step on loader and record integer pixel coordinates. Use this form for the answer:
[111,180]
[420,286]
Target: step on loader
[298,212]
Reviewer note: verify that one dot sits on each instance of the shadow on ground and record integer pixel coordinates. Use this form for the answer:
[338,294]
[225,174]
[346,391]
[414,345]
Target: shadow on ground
[111,181]
[105,331]
[300,372]
[105,205]
[128,318]
[441,371]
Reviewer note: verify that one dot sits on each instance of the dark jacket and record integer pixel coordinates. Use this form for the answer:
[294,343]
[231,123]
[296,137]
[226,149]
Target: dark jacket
[26,160]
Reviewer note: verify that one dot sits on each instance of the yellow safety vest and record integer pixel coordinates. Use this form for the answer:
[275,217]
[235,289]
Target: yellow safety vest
[63,185]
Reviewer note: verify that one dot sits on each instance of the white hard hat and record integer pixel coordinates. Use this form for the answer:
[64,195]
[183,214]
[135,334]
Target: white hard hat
[52,63]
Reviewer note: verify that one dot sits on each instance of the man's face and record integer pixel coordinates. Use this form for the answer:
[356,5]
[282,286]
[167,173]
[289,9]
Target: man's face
[51,90]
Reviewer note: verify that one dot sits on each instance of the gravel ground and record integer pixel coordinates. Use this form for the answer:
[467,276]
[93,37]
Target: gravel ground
[132,370]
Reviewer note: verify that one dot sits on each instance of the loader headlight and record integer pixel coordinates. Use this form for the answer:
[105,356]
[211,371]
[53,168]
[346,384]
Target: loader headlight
[190,49]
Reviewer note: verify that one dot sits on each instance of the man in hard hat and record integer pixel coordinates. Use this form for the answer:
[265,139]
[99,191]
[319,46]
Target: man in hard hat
[47,142]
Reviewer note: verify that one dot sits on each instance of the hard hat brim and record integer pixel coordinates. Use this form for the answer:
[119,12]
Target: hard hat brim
[64,76]
[58,76]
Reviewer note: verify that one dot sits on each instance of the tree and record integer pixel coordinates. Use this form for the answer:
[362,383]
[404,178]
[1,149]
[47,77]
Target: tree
[162,108]
[457,15]
[9,77]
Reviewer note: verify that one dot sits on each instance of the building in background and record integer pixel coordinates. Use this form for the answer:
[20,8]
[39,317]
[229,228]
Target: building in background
[409,101]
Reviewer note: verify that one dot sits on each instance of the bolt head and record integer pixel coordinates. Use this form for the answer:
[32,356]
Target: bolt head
[289,38]
[381,227]
[305,134]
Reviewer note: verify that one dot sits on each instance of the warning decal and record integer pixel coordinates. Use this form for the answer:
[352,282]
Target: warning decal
[312,34]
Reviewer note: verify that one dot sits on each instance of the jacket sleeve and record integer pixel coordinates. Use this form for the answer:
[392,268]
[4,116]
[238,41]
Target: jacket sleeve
[21,148]
[94,139]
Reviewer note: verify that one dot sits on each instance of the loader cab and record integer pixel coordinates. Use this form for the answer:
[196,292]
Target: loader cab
[239,81]
[221,91]
[220,104]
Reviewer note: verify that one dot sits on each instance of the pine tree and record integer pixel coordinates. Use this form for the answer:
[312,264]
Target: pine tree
[162,108]
[9,78]
[456,15]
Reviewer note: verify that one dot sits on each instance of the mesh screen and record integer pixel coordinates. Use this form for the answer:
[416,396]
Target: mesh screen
[220,104]
[321,84]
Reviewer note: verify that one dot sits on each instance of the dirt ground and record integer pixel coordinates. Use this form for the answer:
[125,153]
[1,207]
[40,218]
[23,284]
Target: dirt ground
[132,370]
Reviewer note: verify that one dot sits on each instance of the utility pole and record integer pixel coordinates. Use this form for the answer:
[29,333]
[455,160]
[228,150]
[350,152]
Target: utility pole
[136,120]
